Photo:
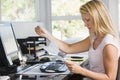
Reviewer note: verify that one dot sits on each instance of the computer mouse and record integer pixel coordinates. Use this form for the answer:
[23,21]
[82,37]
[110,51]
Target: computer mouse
[44,59]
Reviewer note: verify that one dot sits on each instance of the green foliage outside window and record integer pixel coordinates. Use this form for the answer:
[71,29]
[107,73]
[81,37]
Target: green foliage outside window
[18,10]
[66,7]
[68,28]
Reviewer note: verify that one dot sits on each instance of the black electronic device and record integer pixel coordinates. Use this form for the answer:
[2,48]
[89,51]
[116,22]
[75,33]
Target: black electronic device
[36,60]
[32,61]
[23,45]
[3,59]
[53,67]
[8,49]
[5,70]
[20,68]
[31,45]
[44,59]
[9,42]
[78,57]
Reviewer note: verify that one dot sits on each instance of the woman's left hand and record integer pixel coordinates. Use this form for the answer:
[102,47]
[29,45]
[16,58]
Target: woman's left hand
[73,67]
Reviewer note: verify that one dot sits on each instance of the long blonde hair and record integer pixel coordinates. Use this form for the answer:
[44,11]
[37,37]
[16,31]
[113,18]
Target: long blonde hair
[102,21]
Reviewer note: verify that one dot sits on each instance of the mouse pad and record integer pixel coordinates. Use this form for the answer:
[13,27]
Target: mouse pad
[53,67]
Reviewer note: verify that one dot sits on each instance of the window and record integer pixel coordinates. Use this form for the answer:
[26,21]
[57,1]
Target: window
[18,10]
[66,20]
[62,14]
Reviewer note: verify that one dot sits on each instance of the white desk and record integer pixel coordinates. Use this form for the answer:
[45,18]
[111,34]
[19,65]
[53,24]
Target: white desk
[4,78]
[35,69]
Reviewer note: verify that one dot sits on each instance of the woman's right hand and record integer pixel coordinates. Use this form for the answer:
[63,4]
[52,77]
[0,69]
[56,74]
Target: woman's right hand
[40,32]
[43,32]
[73,67]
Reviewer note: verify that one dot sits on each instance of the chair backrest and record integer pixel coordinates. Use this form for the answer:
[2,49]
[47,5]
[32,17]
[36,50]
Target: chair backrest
[118,73]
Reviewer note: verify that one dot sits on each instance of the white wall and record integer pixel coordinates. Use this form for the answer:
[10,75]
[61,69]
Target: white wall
[44,13]
[25,29]
[112,5]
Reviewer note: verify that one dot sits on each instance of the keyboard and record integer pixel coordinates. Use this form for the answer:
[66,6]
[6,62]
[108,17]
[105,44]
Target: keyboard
[19,68]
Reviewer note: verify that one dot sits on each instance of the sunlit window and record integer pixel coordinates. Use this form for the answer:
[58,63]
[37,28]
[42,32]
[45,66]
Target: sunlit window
[69,29]
[66,7]
[18,10]
[66,22]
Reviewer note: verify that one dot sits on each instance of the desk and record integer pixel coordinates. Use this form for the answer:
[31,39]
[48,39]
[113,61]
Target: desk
[35,70]
[4,78]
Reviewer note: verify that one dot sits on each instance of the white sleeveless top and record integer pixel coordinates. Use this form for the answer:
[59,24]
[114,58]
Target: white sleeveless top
[96,55]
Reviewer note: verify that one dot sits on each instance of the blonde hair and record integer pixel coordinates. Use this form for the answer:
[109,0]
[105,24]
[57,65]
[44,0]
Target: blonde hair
[102,21]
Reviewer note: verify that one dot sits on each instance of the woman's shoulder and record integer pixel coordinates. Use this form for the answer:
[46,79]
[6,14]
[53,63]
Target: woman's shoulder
[110,39]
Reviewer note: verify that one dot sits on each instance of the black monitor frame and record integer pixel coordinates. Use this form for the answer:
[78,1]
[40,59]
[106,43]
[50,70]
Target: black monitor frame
[3,59]
[9,42]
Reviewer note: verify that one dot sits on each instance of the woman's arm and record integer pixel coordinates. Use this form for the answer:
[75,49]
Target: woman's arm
[77,47]
[65,47]
[110,58]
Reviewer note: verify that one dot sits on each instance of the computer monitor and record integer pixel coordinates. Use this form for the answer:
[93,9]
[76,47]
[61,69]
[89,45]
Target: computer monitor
[9,42]
[3,59]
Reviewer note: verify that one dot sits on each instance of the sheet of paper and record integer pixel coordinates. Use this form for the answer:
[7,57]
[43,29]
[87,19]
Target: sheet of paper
[52,48]
[45,31]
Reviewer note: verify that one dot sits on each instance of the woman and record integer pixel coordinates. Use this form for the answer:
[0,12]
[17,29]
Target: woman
[102,44]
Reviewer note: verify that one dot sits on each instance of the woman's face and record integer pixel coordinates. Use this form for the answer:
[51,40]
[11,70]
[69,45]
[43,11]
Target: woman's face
[88,21]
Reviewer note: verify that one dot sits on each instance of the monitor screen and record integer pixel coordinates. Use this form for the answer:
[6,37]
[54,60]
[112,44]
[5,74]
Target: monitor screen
[9,41]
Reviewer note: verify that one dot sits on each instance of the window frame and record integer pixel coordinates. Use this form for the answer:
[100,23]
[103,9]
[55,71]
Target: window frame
[112,9]
[44,7]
